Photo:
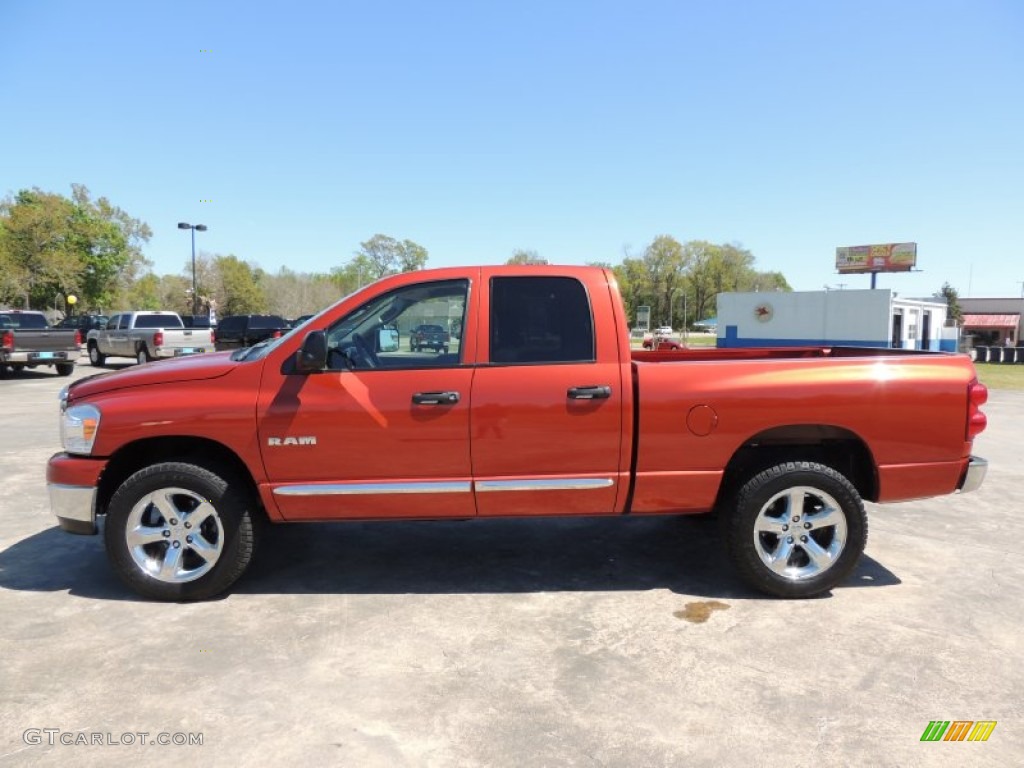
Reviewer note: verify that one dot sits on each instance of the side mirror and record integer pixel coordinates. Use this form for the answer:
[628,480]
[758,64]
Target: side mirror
[387,340]
[312,355]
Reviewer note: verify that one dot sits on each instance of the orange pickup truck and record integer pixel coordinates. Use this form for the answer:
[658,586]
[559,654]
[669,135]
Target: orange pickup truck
[538,408]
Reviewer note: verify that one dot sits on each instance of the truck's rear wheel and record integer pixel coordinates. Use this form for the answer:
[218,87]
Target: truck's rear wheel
[65,369]
[142,355]
[96,357]
[177,531]
[797,529]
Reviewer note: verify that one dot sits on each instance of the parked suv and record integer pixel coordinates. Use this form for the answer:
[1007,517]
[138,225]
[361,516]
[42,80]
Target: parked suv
[433,336]
[84,323]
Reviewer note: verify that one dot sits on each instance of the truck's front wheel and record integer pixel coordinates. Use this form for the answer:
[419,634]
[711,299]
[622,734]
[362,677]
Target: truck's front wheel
[797,529]
[177,531]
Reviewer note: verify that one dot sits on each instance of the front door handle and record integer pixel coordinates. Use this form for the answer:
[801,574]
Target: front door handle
[591,392]
[435,398]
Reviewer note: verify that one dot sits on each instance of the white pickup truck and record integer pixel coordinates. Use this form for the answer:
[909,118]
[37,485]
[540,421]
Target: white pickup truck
[147,336]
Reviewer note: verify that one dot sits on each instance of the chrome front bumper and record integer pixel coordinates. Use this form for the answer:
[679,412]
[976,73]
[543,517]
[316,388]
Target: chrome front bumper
[74,507]
[975,474]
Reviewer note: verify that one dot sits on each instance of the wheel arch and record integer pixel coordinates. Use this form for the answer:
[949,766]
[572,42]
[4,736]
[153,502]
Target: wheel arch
[203,452]
[834,446]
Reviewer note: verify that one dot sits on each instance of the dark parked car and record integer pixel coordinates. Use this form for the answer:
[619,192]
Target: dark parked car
[433,336]
[84,323]
[236,331]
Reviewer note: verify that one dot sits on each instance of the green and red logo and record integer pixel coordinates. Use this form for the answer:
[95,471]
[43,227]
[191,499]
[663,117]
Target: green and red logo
[958,730]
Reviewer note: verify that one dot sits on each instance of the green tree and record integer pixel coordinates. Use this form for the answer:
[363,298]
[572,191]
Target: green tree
[634,285]
[412,257]
[40,245]
[291,294]
[237,287]
[175,292]
[384,255]
[769,281]
[704,266]
[954,311]
[521,256]
[665,263]
[353,275]
[716,269]
[53,245]
[145,293]
[110,242]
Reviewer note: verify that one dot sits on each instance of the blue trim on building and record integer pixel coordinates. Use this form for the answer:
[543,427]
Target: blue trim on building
[732,340]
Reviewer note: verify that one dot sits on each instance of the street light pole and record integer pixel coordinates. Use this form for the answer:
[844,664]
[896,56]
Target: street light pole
[195,294]
[685,329]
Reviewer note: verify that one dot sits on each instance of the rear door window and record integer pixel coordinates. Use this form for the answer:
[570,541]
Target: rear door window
[540,320]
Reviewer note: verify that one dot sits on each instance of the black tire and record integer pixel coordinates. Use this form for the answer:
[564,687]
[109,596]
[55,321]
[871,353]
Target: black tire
[65,369]
[444,349]
[159,502]
[96,357]
[821,541]
[142,355]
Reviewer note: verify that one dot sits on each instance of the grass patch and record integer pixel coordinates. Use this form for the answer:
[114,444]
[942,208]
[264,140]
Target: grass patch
[1001,375]
[700,340]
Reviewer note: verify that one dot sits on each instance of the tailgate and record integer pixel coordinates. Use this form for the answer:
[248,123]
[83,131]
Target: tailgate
[189,338]
[45,341]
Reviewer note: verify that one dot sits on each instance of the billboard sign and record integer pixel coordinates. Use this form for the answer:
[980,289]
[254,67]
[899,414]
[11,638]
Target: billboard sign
[890,257]
[643,317]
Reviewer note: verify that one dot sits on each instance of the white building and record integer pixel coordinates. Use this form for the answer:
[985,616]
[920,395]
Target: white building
[862,318]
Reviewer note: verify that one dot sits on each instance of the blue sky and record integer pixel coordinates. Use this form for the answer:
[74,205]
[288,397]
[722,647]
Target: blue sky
[576,129]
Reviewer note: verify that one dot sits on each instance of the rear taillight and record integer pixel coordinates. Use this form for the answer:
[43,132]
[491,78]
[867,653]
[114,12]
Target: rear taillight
[977,396]
[158,339]
[213,337]
[277,335]
[7,341]
[78,338]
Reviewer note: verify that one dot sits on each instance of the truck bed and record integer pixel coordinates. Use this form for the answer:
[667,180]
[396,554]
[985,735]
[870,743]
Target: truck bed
[905,418]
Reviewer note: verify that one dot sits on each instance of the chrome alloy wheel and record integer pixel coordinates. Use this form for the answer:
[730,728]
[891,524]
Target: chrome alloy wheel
[800,533]
[174,535]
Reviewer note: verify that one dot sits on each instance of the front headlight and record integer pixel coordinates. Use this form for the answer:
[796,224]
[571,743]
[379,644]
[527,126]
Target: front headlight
[79,426]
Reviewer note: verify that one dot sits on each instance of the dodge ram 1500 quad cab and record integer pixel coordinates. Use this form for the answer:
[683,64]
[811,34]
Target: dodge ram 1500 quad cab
[539,408]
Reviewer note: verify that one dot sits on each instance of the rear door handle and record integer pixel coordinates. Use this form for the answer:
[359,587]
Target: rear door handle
[435,398]
[591,392]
